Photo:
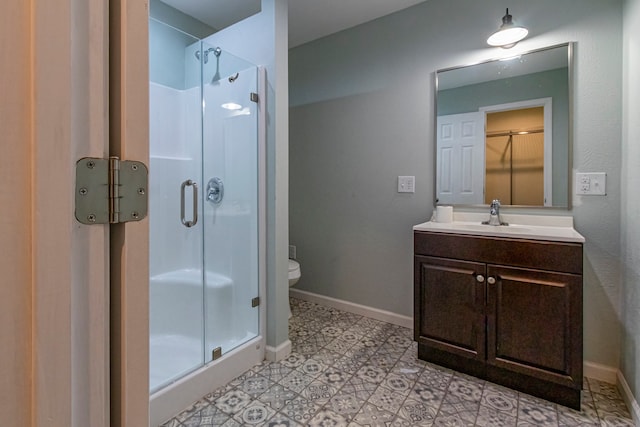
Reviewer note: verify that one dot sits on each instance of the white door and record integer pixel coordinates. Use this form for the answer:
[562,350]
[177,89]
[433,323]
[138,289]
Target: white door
[460,159]
[54,321]
[129,129]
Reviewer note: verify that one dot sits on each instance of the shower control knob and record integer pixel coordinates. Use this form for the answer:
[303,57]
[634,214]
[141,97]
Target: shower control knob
[215,190]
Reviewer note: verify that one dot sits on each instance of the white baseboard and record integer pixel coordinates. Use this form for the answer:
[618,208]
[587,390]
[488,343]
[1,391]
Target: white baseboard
[600,372]
[614,376]
[362,310]
[276,354]
[629,399]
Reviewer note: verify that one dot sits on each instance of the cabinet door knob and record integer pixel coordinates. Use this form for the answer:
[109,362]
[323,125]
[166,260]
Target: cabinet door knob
[491,280]
[480,278]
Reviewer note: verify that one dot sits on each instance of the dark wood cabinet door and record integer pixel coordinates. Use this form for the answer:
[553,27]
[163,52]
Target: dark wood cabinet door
[534,323]
[450,306]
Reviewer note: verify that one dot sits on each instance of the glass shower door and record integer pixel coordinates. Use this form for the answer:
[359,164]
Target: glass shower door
[230,208]
[176,235]
[203,183]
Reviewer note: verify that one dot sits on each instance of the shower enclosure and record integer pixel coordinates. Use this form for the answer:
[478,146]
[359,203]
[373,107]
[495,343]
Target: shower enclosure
[205,207]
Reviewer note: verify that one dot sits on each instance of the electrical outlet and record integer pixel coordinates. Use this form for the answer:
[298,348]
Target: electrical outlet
[591,184]
[292,252]
[406,184]
[585,183]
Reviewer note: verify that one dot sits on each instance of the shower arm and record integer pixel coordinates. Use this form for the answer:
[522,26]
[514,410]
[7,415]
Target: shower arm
[216,51]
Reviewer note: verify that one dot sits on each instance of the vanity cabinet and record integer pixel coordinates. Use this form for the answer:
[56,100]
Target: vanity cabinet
[508,310]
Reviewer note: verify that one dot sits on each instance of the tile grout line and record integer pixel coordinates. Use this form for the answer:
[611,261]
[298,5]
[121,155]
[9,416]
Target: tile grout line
[444,396]
[475,421]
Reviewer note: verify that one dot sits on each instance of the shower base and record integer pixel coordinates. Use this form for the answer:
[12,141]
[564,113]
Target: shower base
[174,356]
[173,398]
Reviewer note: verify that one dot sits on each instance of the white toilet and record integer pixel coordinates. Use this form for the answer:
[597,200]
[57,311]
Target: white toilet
[294,276]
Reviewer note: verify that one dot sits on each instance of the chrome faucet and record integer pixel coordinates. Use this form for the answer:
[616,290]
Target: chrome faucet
[494,214]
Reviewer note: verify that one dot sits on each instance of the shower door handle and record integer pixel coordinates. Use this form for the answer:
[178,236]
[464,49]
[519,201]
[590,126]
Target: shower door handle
[194,221]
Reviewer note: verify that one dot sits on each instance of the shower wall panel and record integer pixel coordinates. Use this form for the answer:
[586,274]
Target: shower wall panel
[175,158]
[175,251]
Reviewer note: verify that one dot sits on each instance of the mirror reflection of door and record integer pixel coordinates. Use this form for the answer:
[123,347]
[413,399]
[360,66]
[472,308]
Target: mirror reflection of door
[514,159]
[460,156]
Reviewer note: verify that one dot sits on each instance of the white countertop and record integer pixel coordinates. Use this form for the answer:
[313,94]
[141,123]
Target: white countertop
[534,227]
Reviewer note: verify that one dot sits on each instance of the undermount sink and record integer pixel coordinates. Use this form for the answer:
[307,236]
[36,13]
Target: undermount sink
[511,228]
[520,226]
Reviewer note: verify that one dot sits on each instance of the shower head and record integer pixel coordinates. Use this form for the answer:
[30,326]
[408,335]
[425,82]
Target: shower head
[216,51]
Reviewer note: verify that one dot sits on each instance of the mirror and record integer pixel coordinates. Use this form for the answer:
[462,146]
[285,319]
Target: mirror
[503,131]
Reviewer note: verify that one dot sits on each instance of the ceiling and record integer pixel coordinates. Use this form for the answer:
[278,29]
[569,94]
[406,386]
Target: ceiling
[308,19]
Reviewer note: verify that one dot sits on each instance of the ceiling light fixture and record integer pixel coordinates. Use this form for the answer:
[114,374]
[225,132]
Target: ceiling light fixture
[508,34]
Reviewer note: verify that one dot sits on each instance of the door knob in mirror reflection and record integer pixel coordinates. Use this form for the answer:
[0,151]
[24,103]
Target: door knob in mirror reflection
[215,190]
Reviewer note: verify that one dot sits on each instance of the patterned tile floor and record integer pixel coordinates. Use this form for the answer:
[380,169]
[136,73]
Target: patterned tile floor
[349,370]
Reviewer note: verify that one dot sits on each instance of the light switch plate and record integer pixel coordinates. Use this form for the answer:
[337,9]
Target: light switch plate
[406,184]
[591,184]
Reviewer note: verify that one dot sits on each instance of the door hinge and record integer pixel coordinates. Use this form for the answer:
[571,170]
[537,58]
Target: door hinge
[255,302]
[216,353]
[254,97]
[110,191]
